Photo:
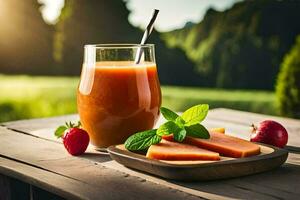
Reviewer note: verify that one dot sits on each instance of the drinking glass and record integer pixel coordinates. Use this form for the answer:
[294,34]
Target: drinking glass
[119,92]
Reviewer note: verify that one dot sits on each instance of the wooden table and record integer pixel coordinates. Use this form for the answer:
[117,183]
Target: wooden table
[35,165]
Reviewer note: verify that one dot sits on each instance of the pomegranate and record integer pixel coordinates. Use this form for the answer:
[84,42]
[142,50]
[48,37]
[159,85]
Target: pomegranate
[270,132]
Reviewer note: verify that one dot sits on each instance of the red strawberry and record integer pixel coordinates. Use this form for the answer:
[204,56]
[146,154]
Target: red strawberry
[75,139]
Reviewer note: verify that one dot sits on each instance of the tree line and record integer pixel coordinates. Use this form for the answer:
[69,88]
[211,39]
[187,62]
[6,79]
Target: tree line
[241,47]
[30,46]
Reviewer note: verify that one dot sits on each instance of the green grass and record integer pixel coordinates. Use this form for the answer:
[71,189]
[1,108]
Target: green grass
[29,97]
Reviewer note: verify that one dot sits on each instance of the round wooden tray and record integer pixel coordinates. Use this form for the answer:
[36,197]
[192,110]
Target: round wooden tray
[270,158]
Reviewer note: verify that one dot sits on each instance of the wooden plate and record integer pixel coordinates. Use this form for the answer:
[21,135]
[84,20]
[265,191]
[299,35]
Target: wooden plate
[270,158]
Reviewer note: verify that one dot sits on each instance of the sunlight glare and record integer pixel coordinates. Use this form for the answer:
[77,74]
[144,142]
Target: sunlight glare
[51,10]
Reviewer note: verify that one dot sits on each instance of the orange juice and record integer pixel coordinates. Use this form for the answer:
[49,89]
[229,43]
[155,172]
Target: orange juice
[117,99]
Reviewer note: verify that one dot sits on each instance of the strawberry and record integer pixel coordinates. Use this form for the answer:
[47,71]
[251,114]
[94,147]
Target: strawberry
[75,139]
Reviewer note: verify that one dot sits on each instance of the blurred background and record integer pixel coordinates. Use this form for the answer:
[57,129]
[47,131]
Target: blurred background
[236,54]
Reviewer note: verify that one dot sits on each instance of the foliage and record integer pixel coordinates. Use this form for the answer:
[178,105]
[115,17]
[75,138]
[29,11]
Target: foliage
[288,83]
[28,97]
[94,22]
[241,47]
[25,39]
[80,23]
[174,68]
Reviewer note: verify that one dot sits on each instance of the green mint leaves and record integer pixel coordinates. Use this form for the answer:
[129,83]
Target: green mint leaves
[197,130]
[195,114]
[167,128]
[142,140]
[172,127]
[168,114]
[188,124]
[180,135]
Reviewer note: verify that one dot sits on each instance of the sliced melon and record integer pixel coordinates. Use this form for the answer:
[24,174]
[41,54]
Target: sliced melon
[168,150]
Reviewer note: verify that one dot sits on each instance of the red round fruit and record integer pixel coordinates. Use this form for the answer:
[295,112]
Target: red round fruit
[76,141]
[270,132]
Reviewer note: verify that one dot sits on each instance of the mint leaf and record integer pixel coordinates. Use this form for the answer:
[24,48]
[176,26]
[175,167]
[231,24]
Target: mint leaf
[59,132]
[179,135]
[168,114]
[171,127]
[179,126]
[180,122]
[198,131]
[167,128]
[142,140]
[195,114]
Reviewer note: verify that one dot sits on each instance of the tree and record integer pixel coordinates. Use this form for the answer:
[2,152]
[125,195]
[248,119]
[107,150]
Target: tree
[102,21]
[174,67]
[241,47]
[25,39]
[288,83]
[95,21]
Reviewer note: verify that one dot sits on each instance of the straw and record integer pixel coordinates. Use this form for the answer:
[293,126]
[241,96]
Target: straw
[146,36]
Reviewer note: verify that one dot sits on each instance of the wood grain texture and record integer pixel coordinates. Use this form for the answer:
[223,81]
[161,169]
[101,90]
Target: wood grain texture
[281,183]
[98,181]
[4,188]
[40,194]
[29,125]
[237,123]
[57,184]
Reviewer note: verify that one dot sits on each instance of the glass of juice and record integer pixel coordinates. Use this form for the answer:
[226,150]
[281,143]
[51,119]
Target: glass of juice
[118,95]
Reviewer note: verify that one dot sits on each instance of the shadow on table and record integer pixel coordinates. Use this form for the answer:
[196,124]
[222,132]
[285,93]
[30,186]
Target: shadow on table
[100,157]
[280,183]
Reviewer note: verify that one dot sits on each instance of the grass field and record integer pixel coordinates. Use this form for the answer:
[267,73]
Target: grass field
[29,97]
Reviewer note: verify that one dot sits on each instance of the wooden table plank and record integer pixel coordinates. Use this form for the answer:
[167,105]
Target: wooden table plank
[235,188]
[95,176]
[237,123]
[29,125]
[246,118]
[281,183]
[211,190]
[60,185]
[51,157]
[4,187]
[278,184]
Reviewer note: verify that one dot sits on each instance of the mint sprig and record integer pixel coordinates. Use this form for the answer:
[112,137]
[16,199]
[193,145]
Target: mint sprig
[188,124]
[180,135]
[195,114]
[197,130]
[142,140]
[167,128]
[168,114]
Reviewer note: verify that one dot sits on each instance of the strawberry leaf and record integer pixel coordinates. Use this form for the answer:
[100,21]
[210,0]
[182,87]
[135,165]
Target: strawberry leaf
[59,132]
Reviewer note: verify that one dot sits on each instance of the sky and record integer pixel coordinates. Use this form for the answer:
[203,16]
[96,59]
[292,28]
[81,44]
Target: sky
[173,13]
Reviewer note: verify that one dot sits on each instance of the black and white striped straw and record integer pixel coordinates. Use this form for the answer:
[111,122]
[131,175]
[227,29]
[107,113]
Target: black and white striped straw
[146,36]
